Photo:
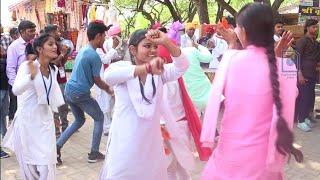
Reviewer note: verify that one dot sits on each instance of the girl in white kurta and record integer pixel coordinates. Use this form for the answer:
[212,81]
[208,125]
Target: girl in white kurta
[135,148]
[31,135]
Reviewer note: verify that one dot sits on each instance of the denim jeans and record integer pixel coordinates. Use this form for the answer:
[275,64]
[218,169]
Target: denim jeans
[78,105]
[305,100]
[60,118]
[4,108]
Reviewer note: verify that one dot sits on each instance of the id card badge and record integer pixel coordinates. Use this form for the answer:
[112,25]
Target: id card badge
[62,72]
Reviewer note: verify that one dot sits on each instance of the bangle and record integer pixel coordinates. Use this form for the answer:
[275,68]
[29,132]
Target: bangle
[148,67]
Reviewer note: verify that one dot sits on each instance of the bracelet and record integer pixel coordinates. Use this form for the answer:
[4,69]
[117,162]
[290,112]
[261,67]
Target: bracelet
[148,67]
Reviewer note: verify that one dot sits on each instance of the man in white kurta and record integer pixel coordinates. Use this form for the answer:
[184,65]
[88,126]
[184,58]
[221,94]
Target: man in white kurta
[183,160]
[105,100]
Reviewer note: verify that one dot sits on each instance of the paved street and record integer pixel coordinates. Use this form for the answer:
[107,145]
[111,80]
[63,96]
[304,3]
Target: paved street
[75,151]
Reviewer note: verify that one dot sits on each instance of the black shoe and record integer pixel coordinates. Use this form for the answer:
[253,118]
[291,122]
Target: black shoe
[106,134]
[4,154]
[95,156]
[59,161]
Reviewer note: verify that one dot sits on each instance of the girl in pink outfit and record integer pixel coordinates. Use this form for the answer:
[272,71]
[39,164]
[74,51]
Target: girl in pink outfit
[255,137]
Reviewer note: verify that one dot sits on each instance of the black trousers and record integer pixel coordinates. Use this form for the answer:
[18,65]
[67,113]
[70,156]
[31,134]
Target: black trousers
[13,103]
[305,100]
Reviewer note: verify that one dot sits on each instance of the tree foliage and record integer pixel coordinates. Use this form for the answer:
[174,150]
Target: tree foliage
[167,11]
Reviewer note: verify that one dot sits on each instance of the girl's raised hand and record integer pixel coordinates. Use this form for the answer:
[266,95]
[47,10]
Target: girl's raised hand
[157,37]
[32,69]
[284,43]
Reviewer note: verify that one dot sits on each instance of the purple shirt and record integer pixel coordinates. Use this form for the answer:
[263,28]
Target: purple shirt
[15,56]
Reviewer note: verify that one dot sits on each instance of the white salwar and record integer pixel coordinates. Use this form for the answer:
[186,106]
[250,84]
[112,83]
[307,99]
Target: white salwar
[31,135]
[105,100]
[135,147]
[183,160]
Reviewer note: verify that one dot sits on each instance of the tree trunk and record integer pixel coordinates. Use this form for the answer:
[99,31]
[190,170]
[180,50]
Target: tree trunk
[173,12]
[192,13]
[227,7]
[219,13]
[202,6]
[275,6]
[264,1]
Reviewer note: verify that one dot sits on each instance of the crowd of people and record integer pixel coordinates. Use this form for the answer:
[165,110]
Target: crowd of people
[154,101]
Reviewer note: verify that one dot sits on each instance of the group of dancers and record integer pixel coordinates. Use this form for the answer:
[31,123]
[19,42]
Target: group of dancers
[155,125]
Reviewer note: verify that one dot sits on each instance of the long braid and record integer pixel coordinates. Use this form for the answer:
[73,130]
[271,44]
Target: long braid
[141,86]
[285,138]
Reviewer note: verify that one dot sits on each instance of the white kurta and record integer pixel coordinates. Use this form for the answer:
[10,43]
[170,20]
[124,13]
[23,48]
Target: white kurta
[180,145]
[105,100]
[221,47]
[32,134]
[135,147]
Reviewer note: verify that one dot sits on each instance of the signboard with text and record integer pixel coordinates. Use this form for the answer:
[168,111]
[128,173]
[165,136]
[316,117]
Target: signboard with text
[309,11]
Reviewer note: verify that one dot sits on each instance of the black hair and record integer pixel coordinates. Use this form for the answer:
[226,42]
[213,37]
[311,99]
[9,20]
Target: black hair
[163,29]
[308,23]
[26,25]
[278,20]
[50,28]
[135,39]
[257,20]
[13,31]
[231,21]
[29,49]
[39,42]
[96,27]
[137,36]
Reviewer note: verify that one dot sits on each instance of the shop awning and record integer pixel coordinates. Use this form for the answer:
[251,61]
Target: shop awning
[17,3]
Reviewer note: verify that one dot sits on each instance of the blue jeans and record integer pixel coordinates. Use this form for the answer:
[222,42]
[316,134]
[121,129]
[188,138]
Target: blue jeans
[305,100]
[60,118]
[78,105]
[4,109]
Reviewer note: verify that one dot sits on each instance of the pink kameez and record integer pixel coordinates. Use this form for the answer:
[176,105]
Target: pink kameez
[246,148]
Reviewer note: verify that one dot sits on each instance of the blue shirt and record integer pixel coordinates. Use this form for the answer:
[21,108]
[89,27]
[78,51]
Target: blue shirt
[87,66]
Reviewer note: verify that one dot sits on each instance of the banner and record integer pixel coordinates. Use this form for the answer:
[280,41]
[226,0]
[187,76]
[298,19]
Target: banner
[309,11]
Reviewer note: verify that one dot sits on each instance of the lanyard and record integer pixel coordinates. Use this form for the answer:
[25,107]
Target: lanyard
[45,86]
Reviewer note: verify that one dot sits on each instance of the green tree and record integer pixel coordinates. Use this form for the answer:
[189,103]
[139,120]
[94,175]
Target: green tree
[167,11]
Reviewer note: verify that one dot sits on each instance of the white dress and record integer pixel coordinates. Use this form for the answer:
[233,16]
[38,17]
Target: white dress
[181,160]
[31,135]
[105,100]
[135,147]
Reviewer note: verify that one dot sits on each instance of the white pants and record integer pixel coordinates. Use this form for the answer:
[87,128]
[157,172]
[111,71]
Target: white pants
[32,172]
[107,122]
[108,116]
[106,103]
[175,169]
[40,172]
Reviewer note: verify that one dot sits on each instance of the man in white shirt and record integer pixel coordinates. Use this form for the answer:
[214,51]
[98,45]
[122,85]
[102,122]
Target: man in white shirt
[189,38]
